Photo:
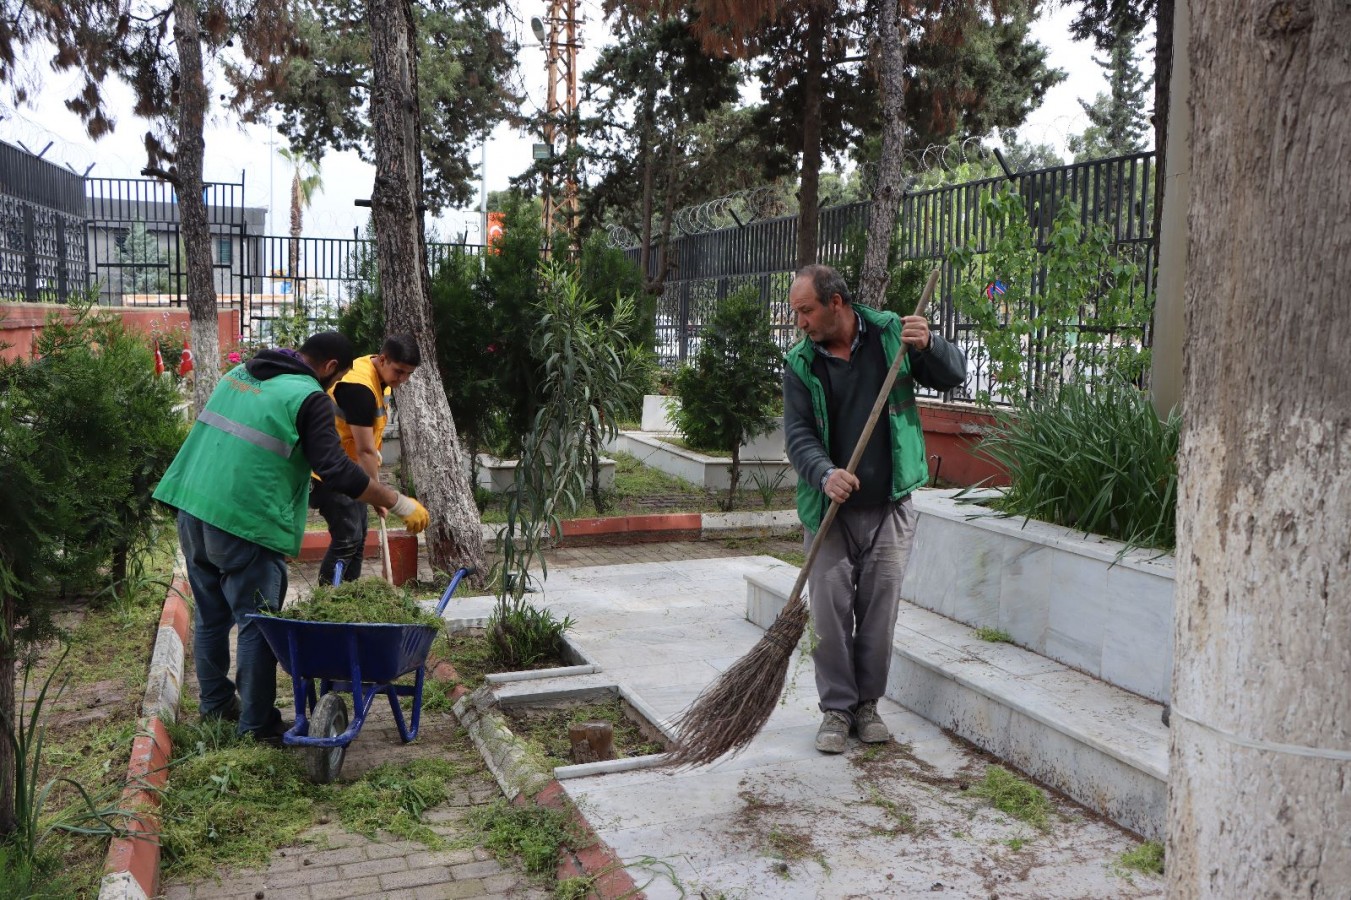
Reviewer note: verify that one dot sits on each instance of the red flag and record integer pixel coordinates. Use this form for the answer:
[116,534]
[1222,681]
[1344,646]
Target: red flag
[185,361]
[159,361]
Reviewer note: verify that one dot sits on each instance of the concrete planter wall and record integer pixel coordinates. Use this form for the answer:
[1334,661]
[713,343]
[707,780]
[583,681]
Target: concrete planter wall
[1072,598]
[657,413]
[709,472]
[498,475]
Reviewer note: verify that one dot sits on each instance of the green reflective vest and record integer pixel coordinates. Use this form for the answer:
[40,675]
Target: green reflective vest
[241,468]
[909,466]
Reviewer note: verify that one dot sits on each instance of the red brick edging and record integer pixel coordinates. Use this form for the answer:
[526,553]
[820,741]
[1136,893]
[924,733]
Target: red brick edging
[137,856]
[596,860]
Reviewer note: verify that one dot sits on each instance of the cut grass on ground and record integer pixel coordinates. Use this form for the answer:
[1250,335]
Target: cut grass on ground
[1014,796]
[1148,859]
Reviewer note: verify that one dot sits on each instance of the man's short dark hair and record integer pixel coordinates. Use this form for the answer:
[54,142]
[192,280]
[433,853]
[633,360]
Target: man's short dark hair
[826,282]
[403,349]
[327,345]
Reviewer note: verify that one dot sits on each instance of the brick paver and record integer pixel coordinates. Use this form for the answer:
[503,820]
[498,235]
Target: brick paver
[334,864]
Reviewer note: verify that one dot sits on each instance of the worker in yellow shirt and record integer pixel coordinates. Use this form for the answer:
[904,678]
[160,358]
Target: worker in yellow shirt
[360,414]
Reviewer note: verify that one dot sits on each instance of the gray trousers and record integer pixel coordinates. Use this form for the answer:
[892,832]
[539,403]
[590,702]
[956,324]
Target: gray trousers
[854,589]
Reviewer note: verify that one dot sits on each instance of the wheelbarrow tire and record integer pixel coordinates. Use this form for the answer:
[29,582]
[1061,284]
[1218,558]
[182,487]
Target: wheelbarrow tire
[329,719]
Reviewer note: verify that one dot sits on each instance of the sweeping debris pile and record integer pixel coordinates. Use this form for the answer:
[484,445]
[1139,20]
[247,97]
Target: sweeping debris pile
[364,601]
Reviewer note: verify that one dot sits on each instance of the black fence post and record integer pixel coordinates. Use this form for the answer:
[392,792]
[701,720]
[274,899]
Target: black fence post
[30,255]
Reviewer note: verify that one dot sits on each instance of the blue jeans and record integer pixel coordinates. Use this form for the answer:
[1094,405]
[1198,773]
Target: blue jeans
[230,578]
[347,526]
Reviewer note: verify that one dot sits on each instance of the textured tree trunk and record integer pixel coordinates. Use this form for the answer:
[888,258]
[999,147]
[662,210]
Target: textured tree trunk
[431,445]
[1163,86]
[808,198]
[1260,785]
[890,62]
[293,251]
[192,103]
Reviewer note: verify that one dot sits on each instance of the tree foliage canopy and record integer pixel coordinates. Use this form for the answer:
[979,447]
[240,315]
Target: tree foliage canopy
[466,62]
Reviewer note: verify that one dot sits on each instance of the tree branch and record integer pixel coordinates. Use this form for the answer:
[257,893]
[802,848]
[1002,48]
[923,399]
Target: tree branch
[154,172]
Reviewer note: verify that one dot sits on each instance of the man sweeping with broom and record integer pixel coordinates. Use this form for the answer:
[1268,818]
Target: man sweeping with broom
[831,379]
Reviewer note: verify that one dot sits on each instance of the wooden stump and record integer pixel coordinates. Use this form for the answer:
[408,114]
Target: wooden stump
[592,741]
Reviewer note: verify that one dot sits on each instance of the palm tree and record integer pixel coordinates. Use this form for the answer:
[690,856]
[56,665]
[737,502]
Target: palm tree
[305,183]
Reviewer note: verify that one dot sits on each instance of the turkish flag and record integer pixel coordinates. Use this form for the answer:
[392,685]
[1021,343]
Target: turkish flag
[159,361]
[185,361]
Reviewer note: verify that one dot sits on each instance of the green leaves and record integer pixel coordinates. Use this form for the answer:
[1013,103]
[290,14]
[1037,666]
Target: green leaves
[1073,309]
[1098,460]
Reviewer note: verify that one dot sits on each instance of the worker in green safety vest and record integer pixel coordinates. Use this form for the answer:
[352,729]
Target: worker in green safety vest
[241,486]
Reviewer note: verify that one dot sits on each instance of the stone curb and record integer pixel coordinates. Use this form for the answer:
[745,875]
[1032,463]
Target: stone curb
[668,526]
[131,868]
[522,782]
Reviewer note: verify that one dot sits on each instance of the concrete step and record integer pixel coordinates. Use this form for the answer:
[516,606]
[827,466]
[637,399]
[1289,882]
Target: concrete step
[1101,745]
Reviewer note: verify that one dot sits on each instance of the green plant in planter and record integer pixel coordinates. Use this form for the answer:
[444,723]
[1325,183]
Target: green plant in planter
[589,373]
[1069,311]
[728,393]
[1100,460]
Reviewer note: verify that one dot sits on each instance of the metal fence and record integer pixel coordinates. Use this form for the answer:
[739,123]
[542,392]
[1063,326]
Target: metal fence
[42,247]
[705,267]
[63,235]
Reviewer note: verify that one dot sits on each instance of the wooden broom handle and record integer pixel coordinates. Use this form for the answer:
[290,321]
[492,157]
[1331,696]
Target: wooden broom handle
[862,444]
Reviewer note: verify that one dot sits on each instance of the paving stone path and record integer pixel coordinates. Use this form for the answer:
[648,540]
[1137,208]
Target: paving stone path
[333,864]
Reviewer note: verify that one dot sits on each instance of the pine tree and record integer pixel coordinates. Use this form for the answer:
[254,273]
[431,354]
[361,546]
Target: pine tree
[144,265]
[1118,120]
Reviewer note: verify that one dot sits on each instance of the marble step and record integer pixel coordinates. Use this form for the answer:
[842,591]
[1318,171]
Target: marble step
[1097,743]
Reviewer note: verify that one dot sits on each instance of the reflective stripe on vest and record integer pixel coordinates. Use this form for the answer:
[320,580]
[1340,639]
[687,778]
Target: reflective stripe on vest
[244,432]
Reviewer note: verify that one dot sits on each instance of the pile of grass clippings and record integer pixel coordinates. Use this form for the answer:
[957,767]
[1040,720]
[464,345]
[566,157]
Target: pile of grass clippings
[1015,796]
[366,600]
[229,801]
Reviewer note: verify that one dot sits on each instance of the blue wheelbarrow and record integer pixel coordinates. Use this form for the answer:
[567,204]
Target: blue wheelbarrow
[329,659]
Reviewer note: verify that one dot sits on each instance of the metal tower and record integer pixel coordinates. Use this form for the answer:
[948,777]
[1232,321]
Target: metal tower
[560,114]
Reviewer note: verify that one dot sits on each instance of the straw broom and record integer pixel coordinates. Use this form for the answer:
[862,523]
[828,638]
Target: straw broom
[731,711]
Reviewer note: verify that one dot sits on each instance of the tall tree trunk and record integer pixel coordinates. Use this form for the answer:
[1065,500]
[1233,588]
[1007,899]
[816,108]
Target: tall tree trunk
[813,92]
[192,103]
[1260,784]
[293,250]
[647,156]
[1163,84]
[889,50]
[431,445]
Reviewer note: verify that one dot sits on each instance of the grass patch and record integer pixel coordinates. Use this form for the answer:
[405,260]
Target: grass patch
[89,720]
[994,635]
[393,798]
[548,730]
[534,834]
[366,600]
[1146,859]
[1015,796]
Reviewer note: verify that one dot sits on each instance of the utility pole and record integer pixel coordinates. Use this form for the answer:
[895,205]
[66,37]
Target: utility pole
[560,114]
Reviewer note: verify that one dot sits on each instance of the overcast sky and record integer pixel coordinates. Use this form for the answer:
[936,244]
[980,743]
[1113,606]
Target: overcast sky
[234,152]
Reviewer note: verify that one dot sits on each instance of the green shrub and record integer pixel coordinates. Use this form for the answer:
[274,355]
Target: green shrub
[729,391]
[90,428]
[1072,310]
[1099,460]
